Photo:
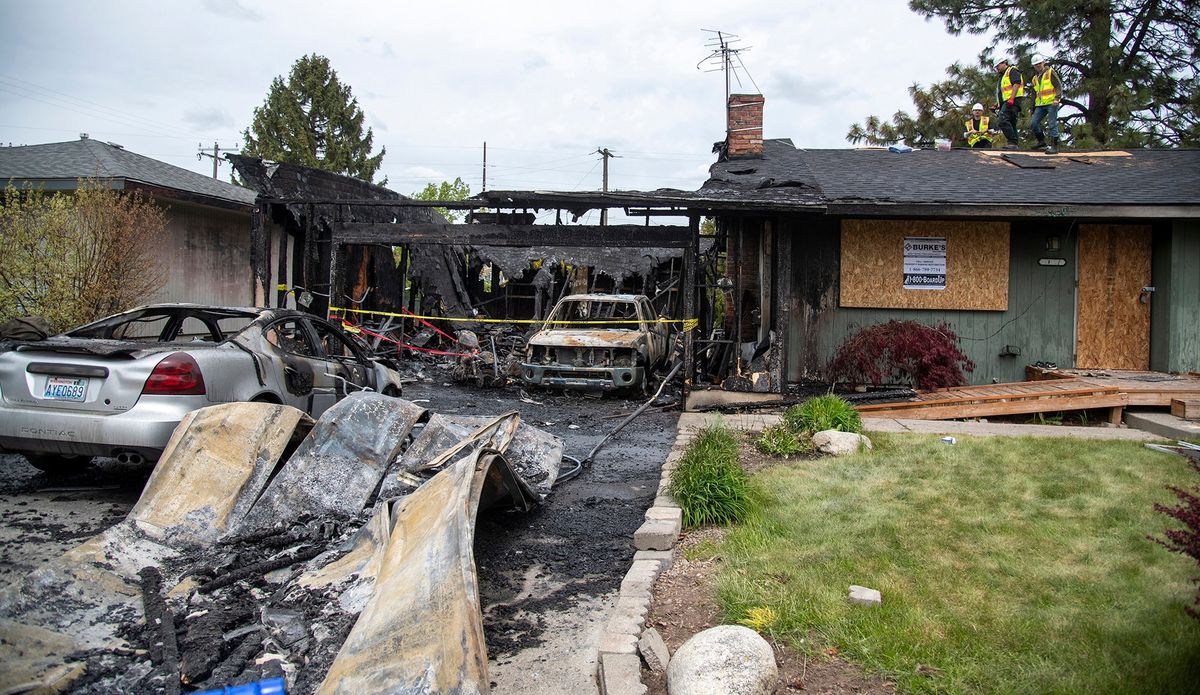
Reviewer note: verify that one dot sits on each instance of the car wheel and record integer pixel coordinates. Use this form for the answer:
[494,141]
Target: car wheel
[644,387]
[58,464]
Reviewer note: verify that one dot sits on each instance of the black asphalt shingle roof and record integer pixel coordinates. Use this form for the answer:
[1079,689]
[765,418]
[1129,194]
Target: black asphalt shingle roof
[959,177]
[86,158]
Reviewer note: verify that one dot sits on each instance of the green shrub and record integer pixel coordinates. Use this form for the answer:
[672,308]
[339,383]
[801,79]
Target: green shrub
[928,357]
[780,440]
[826,412]
[709,484]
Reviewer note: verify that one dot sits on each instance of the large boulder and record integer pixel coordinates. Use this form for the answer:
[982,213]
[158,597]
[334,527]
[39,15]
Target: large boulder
[723,660]
[836,443]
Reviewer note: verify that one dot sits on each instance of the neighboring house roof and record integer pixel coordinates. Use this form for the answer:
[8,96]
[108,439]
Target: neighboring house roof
[58,165]
[963,181]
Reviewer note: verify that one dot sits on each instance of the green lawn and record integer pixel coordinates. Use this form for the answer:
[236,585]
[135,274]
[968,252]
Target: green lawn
[1008,565]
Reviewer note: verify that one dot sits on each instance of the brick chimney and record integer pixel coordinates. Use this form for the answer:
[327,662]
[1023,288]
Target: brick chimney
[744,134]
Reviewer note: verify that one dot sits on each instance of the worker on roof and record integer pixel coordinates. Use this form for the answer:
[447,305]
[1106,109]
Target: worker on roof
[1047,96]
[1009,89]
[978,134]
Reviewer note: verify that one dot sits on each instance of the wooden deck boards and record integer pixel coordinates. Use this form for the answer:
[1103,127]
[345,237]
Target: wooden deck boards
[1144,388]
[1047,391]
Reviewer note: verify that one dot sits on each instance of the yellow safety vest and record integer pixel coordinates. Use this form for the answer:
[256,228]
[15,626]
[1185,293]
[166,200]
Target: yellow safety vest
[973,135]
[1008,90]
[1043,87]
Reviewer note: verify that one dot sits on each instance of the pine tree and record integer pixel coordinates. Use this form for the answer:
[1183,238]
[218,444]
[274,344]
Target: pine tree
[1129,69]
[313,119]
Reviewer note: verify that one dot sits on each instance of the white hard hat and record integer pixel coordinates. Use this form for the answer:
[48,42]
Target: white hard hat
[977,107]
[1038,58]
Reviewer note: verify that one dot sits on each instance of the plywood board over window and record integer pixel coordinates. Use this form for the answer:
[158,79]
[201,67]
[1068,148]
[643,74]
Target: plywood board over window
[872,265]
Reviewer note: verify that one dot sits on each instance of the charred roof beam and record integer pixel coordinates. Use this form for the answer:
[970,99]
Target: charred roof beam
[658,236]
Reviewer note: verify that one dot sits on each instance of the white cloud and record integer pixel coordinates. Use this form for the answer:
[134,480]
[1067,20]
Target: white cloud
[543,83]
[208,118]
[232,9]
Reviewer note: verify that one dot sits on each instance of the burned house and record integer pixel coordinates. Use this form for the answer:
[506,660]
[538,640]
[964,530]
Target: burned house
[206,244]
[1085,259]
[401,270]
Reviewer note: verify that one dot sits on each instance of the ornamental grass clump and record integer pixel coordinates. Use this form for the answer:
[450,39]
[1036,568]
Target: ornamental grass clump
[826,412]
[780,440]
[709,483]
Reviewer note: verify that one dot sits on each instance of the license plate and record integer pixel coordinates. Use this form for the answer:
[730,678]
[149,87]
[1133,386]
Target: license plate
[65,389]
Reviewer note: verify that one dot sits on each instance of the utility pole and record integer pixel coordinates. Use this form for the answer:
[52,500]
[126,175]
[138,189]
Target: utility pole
[485,165]
[604,152]
[215,155]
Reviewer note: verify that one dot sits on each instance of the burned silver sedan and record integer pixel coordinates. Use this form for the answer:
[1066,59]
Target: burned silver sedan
[119,386]
[597,341]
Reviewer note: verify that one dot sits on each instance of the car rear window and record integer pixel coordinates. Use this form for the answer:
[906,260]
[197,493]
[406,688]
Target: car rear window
[146,327]
[177,325]
[193,329]
[232,325]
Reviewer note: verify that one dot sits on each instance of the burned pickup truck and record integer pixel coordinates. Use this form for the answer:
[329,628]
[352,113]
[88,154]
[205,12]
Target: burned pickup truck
[597,341]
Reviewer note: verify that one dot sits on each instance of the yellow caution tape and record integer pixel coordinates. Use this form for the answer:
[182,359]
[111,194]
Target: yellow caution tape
[282,287]
[687,324]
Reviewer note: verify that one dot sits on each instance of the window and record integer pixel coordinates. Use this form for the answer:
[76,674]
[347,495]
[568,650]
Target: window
[290,337]
[596,314]
[193,329]
[233,324]
[145,327]
[335,345]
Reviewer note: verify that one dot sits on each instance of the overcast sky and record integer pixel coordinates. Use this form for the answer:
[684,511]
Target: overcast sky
[544,83]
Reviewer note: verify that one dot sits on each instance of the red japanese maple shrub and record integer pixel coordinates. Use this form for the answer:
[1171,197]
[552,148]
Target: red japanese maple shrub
[1186,540]
[927,357]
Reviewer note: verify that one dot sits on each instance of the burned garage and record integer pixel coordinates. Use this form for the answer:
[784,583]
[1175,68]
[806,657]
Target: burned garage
[413,283]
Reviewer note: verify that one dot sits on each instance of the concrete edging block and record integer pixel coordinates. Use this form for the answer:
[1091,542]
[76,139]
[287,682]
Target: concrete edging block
[620,674]
[665,513]
[618,666]
[657,534]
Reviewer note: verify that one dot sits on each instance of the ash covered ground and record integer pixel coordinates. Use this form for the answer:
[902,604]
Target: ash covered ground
[547,578]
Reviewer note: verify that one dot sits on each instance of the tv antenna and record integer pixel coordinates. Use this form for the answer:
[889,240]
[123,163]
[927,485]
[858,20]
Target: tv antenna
[723,56]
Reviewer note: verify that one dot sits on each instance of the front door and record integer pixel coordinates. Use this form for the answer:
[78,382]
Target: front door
[1113,327]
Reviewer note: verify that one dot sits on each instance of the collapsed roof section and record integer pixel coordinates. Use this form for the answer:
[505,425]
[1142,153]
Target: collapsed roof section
[330,210]
[331,195]
[617,264]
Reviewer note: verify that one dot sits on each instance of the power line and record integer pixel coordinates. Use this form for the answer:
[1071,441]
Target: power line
[589,173]
[34,97]
[130,118]
[105,133]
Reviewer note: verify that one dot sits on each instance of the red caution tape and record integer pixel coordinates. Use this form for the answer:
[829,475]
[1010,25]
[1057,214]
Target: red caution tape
[400,345]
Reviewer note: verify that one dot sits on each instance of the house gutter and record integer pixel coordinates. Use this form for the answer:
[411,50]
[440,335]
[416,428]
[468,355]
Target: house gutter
[953,210]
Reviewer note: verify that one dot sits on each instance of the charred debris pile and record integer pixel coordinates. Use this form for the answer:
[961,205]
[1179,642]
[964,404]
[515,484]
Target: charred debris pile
[268,545]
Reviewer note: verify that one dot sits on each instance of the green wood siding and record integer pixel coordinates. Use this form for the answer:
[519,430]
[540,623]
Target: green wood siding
[1175,315]
[1039,320]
